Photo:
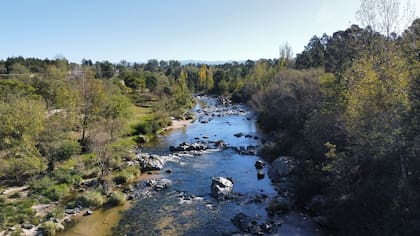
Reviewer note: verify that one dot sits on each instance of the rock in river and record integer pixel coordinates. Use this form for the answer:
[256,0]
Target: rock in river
[151,162]
[159,184]
[260,174]
[221,187]
[250,225]
[197,146]
[259,164]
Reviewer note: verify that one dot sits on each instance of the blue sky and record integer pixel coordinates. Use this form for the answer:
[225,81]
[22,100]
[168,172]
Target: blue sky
[138,30]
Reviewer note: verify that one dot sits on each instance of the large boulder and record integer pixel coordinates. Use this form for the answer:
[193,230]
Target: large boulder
[281,167]
[151,162]
[221,188]
[27,226]
[159,184]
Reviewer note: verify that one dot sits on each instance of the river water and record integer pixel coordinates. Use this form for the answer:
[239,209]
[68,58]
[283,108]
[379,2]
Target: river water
[187,207]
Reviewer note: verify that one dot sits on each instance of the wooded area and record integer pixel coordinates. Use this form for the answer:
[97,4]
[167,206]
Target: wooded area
[347,109]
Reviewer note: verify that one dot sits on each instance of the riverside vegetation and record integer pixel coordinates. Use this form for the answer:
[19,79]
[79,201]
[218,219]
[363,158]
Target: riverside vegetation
[346,109]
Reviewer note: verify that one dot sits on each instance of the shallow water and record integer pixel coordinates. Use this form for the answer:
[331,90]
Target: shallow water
[169,213]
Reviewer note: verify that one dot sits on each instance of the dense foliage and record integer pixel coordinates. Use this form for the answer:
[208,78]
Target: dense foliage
[347,108]
[350,116]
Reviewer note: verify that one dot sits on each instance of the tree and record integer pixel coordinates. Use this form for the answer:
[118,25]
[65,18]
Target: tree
[385,16]
[104,69]
[377,99]
[92,95]
[202,77]
[151,82]
[115,112]
[285,54]
[209,79]
[99,141]
[21,122]
[313,55]
[47,85]
[55,143]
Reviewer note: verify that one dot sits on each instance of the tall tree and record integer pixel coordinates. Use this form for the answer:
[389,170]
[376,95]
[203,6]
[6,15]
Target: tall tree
[92,96]
[209,79]
[202,77]
[386,16]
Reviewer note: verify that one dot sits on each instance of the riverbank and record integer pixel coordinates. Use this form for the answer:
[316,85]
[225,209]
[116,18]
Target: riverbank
[102,221]
[178,124]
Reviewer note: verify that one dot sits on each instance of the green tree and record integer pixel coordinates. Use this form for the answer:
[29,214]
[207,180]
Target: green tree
[202,77]
[209,79]
[115,112]
[21,122]
[92,95]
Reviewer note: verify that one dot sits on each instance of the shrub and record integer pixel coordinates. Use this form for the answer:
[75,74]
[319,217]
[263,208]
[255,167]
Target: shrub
[125,177]
[269,151]
[134,170]
[121,179]
[66,176]
[49,228]
[16,212]
[58,213]
[67,149]
[56,192]
[117,198]
[91,199]
[71,205]
[48,188]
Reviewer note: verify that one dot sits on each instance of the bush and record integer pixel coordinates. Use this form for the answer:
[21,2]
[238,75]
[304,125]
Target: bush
[16,212]
[65,176]
[90,173]
[134,170]
[121,179]
[71,205]
[91,199]
[139,128]
[57,213]
[49,228]
[117,198]
[126,176]
[67,149]
[56,192]
[48,188]
[270,151]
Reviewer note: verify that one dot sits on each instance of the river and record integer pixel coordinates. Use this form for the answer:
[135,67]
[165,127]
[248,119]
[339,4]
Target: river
[187,207]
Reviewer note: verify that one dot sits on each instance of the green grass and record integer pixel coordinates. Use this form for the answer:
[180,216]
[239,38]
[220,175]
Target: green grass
[117,199]
[16,212]
[91,199]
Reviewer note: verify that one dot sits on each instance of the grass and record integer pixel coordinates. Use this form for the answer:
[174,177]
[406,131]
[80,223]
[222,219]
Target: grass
[18,211]
[91,199]
[117,198]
